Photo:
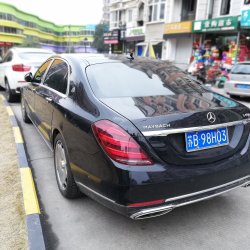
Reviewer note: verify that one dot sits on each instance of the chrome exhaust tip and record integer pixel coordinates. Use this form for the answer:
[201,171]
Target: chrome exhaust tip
[151,213]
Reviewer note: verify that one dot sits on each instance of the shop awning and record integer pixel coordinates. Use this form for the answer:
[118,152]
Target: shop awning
[181,35]
[152,43]
[155,42]
[141,44]
[135,38]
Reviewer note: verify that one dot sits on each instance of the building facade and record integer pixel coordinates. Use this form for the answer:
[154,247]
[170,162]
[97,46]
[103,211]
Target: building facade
[201,25]
[106,12]
[169,29]
[18,27]
[128,18]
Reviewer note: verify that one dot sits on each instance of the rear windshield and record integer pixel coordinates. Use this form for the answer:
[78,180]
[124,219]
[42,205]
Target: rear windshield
[35,56]
[142,79]
[241,69]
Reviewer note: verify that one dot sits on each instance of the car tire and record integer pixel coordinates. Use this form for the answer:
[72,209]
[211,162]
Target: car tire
[64,176]
[9,95]
[25,116]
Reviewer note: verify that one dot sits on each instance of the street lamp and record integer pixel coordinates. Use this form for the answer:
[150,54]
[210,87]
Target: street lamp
[85,43]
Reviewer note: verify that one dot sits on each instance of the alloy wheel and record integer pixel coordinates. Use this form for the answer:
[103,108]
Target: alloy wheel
[61,165]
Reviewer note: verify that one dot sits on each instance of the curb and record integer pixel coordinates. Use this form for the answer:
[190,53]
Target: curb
[31,204]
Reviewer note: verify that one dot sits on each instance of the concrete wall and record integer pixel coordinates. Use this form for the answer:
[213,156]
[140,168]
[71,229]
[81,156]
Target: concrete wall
[177,11]
[154,31]
[202,9]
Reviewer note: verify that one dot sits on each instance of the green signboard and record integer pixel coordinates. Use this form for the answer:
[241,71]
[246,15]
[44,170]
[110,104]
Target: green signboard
[216,24]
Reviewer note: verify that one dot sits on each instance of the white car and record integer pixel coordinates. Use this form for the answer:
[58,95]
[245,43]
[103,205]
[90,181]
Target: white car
[16,63]
[238,83]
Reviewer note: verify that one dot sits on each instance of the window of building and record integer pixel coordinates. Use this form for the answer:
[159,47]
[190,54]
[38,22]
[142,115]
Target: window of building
[9,17]
[114,16]
[2,16]
[12,30]
[130,12]
[188,10]
[162,11]
[156,10]
[57,76]
[225,7]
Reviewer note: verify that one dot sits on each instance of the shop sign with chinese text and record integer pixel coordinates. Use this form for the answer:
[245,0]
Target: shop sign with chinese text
[178,28]
[138,31]
[216,24]
[245,19]
[111,37]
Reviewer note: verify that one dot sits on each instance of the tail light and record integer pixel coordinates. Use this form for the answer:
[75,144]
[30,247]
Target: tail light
[119,145]
[20,68]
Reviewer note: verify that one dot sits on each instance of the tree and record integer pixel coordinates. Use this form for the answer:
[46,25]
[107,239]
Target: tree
[31,41]
[98,38]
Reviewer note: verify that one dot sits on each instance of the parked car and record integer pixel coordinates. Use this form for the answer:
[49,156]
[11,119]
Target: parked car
[16,63]
[238,83]
[139,136]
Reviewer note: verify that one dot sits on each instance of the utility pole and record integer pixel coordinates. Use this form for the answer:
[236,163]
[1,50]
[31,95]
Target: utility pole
[69,40]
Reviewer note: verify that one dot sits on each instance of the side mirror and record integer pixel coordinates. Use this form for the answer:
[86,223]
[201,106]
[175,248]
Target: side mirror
[37,79]
[28,77]
[72,88]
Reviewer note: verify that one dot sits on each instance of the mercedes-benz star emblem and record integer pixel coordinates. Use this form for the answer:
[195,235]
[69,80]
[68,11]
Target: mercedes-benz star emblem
[211,117]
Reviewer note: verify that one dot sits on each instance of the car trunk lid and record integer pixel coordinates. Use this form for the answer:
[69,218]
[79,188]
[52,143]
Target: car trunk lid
[163,120]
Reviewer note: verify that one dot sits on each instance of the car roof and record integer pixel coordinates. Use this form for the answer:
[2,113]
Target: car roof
[31,50]
[245,62]
[88,58]
[91,59]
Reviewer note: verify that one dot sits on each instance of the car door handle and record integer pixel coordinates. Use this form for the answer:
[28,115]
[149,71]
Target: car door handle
[48,99]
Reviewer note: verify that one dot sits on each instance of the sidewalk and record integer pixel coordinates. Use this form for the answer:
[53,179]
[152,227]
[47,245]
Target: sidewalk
[12,214]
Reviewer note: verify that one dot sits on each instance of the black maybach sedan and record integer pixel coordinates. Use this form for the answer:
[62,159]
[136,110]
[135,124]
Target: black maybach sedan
[139,136]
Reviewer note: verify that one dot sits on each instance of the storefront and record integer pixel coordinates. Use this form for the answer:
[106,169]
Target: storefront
[244,53]
[135,40]
[217,41]
[153,40]
[113,39]
[179,39]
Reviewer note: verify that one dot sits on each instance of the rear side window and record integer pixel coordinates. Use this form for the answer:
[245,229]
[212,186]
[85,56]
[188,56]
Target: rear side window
[41,71]
[241,69]
[57,76]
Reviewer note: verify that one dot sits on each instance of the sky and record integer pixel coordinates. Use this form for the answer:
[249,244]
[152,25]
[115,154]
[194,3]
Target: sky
[61,12]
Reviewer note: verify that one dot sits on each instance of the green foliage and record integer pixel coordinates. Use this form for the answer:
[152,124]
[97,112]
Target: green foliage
[98,38]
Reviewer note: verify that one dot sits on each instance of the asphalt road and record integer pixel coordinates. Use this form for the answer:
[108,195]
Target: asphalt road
[219,223]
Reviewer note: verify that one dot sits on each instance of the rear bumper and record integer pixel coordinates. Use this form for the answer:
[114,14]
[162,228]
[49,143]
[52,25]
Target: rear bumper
[170,204]
[232,90]
[173,185]
[187,199]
